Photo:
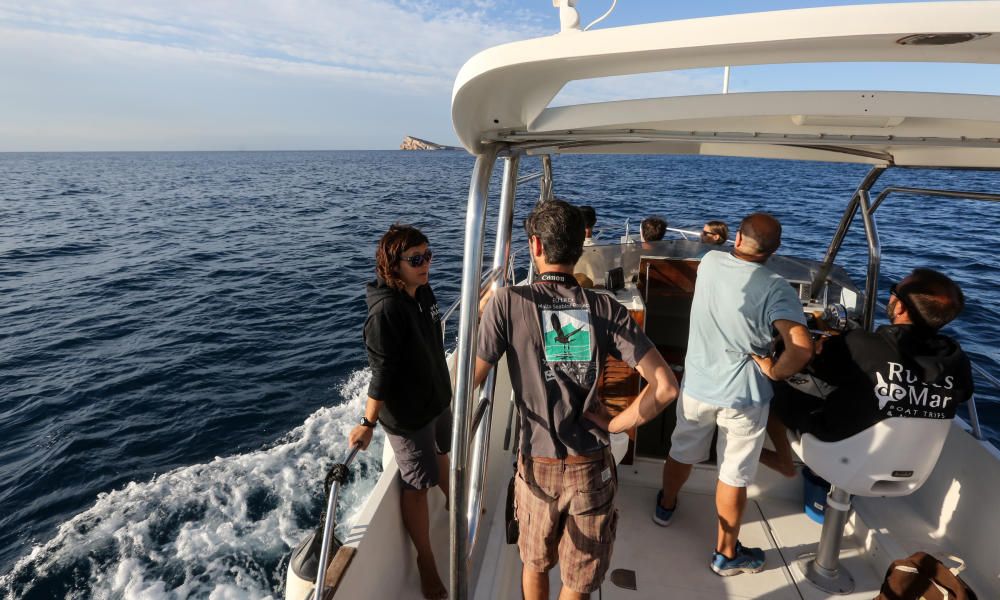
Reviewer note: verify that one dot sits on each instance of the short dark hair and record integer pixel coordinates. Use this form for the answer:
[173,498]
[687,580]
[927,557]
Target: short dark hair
[589,216]
[761,232]
[653,228]
[389,252]
[559,225]
[935,298]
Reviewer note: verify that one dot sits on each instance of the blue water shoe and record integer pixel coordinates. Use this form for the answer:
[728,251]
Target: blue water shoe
[747,560]
[662,516]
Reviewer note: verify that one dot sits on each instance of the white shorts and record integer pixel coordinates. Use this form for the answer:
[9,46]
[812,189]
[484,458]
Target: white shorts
[741,438]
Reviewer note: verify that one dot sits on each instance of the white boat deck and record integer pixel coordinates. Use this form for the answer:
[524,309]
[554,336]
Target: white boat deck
[673,561]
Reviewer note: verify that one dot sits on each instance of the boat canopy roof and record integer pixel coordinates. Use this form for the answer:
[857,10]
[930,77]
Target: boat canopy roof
[503,94]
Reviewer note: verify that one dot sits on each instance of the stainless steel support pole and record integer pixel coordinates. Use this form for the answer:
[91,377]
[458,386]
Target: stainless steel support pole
[328,527]
[479,448]
[472,265]
[934,193]
[842,228]
[874,260]
[823,569]
[545,192]
[977,430]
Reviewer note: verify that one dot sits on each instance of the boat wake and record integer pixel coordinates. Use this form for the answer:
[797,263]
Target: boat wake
[218,530]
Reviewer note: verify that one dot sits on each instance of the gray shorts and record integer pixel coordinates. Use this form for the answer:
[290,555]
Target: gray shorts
[417,451]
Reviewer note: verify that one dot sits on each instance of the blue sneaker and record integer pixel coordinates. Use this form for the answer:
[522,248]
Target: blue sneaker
[747,560]
[662,516]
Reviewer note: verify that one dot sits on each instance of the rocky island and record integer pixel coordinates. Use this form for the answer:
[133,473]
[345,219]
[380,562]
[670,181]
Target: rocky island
[412,143]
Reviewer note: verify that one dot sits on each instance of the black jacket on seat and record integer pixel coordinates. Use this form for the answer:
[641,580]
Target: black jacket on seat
[403,337]
[895,371]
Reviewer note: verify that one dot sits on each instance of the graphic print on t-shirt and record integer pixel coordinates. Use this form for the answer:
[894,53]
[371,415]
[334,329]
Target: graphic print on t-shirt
[567,335]
[901,393]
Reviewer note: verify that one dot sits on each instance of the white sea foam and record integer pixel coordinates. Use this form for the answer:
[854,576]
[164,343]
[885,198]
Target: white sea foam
[219,530]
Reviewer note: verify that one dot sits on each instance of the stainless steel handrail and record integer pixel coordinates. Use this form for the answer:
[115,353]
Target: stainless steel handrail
[874,260]
[931,192]
[697,234]
[331,521]
[483,416]
[977,430]
[845,223]
[472,265]
[529,177]
[488,278]
[984,373]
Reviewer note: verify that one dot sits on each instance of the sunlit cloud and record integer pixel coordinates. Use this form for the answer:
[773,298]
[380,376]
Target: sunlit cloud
[417,44]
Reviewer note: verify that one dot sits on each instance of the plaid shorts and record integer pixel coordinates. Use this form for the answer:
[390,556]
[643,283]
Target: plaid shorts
[566,514]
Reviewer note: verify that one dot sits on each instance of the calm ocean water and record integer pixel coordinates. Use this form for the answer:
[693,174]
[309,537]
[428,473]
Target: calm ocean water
[180,350]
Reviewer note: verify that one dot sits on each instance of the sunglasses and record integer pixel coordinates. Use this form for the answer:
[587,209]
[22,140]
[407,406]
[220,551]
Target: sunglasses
[418,259]
[894,291]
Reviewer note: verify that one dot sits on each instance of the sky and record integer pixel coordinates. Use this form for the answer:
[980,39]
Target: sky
[103,75]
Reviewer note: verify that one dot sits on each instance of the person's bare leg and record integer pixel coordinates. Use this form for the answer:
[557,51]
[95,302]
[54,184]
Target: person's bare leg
[413,505]
[781,458]
[675,474]
[534,584]
[567,594]
[729,502]
[443,468]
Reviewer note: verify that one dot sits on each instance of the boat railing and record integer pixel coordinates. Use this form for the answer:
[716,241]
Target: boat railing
[338,473]
[684,233]
[977,431]
[488,279]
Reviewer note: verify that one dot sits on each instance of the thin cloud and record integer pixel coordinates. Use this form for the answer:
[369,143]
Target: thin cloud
[417,44]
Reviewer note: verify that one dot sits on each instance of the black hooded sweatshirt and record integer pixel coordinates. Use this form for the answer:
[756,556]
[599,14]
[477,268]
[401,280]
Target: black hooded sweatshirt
[406,355]
[895,371]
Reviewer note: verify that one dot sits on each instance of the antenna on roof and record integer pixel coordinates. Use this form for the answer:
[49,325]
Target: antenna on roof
[569,19]
[602,17]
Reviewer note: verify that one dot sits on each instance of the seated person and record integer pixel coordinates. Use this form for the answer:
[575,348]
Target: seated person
[715,232]
[589,220]
[652,229]
[905,369]
[584,281]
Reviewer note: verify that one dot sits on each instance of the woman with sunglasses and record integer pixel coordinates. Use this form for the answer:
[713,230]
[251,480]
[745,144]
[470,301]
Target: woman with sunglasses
[410,390]
[715,232]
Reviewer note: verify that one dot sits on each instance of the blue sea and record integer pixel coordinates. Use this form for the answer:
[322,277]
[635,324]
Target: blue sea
[180,348]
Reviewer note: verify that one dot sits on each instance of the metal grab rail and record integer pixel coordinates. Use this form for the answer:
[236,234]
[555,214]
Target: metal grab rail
[487,280]
[977,431]
[482,419]
[472,266]
[697,234]
[339,475]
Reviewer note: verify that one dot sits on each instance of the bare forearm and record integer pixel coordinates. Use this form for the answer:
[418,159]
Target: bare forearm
[372,409]
[788,364]
[661,391]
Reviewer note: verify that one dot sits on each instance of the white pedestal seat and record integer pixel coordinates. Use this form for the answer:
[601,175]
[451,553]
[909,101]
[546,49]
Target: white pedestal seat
[892,458]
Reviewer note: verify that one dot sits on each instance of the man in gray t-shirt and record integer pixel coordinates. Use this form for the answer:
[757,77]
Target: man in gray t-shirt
[737,302]
[556,336]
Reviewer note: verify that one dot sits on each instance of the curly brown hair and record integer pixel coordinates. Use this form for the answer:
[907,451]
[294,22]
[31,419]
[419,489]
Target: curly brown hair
[391,247]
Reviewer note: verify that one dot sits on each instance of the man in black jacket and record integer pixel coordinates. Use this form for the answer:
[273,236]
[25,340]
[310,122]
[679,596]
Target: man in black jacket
[905,369]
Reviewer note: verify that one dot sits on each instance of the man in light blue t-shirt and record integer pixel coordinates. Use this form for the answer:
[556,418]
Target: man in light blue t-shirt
[737,303]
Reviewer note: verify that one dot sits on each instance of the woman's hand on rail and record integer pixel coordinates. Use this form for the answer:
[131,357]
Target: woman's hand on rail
[361,436]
